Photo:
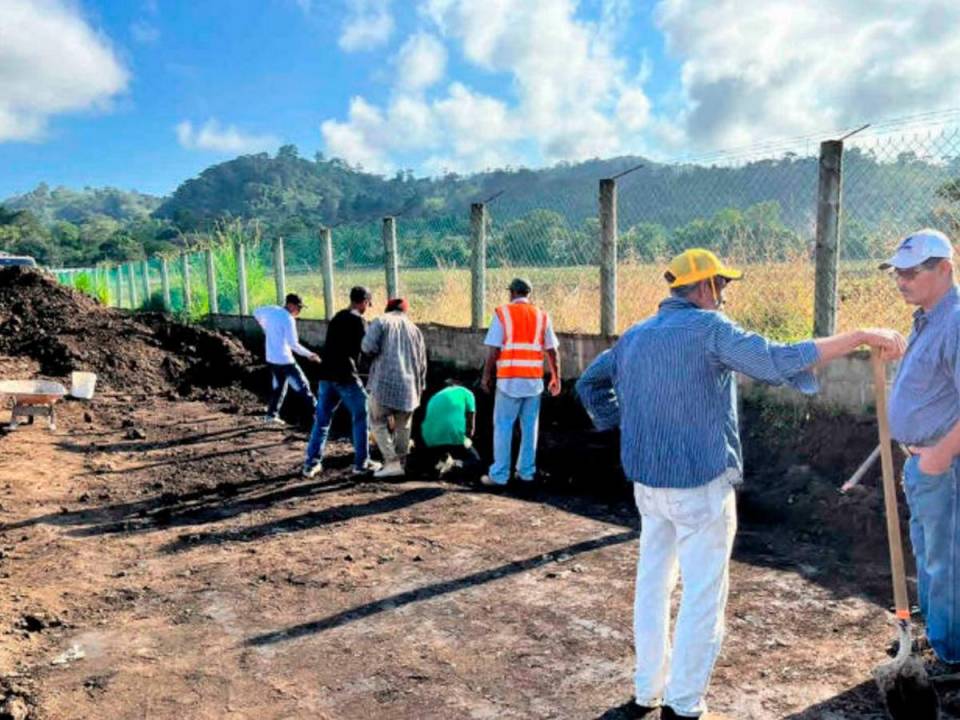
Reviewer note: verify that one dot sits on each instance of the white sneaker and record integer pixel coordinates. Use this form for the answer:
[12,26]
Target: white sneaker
[273,420]
[445,465]
[369,466]
[391,469]
[311,471]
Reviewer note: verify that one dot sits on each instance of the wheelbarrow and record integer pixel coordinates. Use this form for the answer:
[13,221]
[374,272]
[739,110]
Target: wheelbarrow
[33,398]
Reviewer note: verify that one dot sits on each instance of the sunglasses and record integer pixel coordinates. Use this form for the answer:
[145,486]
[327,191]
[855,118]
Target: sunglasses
[911,273]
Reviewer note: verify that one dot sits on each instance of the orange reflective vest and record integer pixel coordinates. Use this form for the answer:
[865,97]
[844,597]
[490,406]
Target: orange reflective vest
[524,329]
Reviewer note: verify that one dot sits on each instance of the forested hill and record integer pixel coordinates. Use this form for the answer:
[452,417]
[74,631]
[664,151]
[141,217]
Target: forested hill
[287,188]
[62,204]
[660,206]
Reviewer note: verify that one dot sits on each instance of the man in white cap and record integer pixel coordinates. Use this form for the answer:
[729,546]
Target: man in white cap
[925,416]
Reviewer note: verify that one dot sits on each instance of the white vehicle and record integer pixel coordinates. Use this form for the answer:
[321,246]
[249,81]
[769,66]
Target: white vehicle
[7,260]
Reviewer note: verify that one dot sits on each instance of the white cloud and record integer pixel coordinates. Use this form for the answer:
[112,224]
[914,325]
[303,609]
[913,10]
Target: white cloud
[368,25]
[51,62]
[214,137]
[421,62]
[360,139]
[570,99]
[633,109]
[759,69]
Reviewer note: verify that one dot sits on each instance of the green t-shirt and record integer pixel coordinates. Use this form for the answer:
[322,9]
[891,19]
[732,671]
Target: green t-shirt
[446,420]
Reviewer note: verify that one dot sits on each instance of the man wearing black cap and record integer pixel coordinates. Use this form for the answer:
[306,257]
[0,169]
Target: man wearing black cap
[280,329]
[519,340]
[340,383]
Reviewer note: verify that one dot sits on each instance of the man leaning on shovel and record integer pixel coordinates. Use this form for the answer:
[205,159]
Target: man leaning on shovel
[669,385]
[924,413]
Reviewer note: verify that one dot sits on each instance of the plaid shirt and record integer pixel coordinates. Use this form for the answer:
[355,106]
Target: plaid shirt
[398,372]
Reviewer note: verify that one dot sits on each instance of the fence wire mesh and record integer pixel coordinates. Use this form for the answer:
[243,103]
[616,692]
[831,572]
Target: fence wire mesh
[758,213]
[547,232]
[756,208]
[895,180]
[357,258]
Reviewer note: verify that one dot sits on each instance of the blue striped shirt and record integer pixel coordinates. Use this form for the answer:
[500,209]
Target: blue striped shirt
[669,385]
[925,400]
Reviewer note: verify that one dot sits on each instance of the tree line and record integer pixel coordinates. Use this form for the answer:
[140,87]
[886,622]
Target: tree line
[762,209]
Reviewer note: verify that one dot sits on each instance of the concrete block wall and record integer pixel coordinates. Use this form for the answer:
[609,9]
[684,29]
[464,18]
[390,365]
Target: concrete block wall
[845,384]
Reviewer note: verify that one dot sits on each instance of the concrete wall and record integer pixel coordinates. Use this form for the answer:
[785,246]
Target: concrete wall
[461,347]
[846,383]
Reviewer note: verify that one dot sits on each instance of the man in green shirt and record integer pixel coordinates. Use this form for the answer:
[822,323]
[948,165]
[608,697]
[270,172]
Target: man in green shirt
[447,427]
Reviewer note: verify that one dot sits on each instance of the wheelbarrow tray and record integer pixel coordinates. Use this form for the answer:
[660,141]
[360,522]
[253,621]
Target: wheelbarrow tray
[33,392]
[32,398]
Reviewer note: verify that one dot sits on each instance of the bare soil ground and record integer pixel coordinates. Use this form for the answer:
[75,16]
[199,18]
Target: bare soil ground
[161,557]
[191,573]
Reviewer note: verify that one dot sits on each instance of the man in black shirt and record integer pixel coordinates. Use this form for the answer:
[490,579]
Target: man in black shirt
[340,382]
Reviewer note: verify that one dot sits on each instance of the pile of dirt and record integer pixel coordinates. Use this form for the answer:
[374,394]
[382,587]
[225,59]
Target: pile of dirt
[63,330]
[797,457]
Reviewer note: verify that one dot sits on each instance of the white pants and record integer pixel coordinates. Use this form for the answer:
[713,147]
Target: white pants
[695,528]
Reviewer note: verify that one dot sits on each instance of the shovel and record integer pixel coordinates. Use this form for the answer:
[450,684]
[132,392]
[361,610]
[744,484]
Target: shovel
[903,681]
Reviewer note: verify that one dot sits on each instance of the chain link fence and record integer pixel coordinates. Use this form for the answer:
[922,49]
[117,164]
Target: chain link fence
[548,233]
[896,178]
[756,208]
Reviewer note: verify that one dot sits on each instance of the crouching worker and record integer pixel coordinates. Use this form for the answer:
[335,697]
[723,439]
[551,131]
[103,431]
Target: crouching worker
[447,431]
[669,385]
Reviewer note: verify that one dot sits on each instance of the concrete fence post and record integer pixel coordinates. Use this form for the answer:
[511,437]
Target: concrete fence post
[103,280]
[279,271]
[185,271]
[326,261]
[117,284]
[147,290]
[478,264]
[608,257]
[213,305]
[390,256]
[828,233]
[165,284]
[242,293]
[132,282]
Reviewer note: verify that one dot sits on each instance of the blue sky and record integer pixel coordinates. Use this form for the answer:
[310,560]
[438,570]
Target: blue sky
[146,93]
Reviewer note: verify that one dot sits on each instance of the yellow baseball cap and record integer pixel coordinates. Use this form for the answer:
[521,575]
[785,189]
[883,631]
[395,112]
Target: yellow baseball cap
[697,264]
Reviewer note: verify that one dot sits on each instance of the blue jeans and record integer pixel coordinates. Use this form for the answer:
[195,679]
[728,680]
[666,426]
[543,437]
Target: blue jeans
[280,377]
[506,410]
[331,395]
[934,502]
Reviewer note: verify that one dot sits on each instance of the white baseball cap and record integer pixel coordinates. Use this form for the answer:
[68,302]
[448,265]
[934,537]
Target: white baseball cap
[919,246]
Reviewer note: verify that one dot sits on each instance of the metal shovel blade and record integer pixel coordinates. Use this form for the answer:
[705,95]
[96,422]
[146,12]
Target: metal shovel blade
[903,682]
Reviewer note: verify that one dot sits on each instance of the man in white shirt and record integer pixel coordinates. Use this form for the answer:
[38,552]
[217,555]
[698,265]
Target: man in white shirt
[280,327]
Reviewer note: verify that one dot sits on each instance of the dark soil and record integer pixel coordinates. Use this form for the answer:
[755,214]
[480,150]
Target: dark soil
[64,330]
[161,557]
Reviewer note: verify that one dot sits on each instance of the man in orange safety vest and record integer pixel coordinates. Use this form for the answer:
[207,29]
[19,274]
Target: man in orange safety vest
[519,339]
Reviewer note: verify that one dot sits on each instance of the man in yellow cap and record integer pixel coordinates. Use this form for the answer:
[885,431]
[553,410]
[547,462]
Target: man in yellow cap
[669,385]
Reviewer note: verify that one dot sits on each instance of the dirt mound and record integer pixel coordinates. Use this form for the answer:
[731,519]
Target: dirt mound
[64,330]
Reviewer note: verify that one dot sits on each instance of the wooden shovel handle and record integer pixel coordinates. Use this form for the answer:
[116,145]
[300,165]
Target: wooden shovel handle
[890,489]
